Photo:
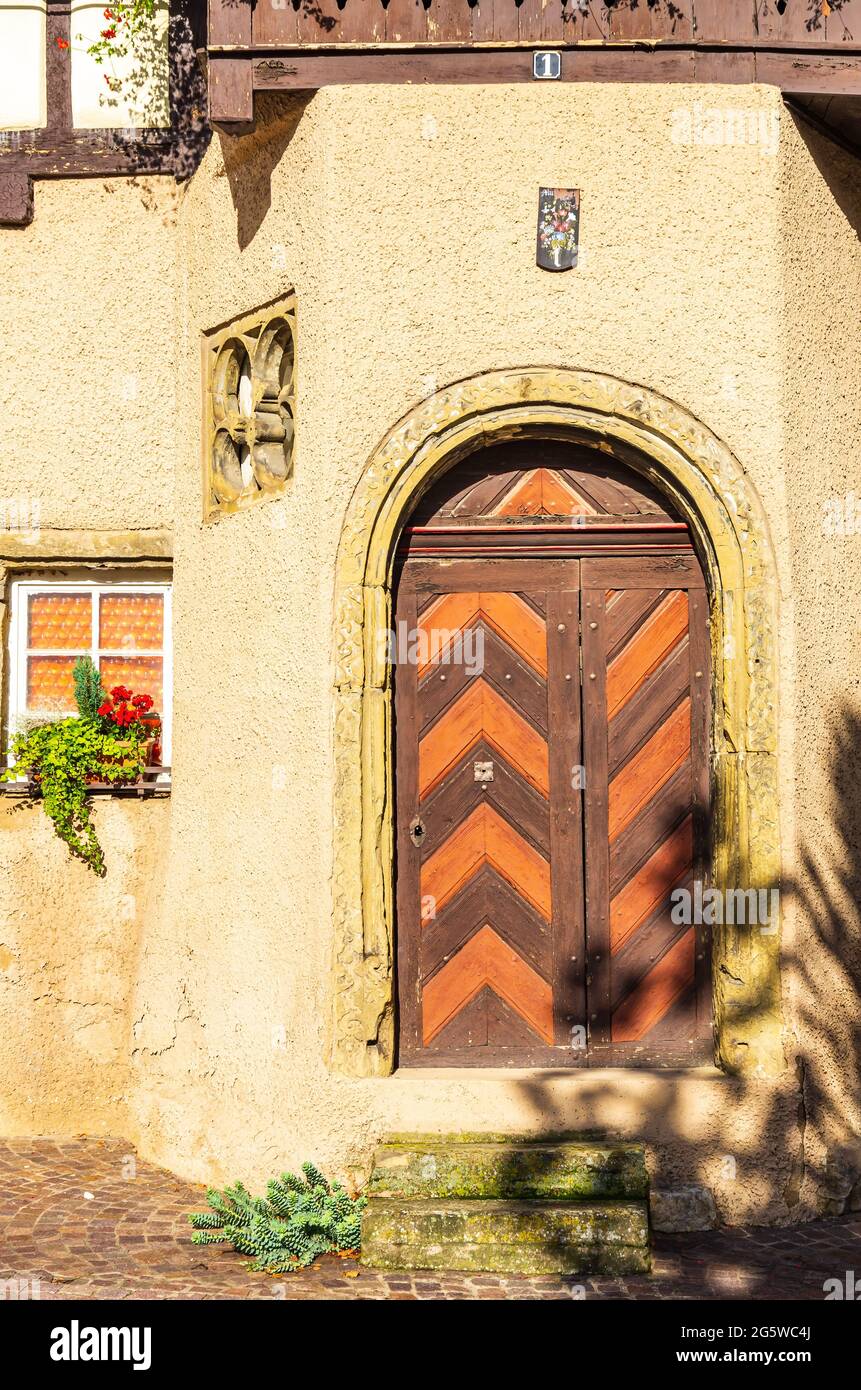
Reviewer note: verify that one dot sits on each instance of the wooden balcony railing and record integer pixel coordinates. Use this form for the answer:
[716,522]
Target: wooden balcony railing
[314,22]
[811,49]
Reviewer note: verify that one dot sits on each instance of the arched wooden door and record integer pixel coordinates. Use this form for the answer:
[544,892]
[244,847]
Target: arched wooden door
[551,657]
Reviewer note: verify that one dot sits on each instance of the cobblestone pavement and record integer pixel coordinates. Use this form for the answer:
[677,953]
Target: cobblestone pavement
[84,1218]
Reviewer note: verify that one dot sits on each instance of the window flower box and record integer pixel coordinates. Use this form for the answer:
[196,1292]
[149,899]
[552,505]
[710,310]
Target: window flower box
[110,744]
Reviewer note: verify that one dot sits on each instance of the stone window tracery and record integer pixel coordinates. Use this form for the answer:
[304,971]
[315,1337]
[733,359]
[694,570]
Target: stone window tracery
[250,367]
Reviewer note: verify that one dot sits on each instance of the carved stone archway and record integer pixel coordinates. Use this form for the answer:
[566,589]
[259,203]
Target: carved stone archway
[710,488]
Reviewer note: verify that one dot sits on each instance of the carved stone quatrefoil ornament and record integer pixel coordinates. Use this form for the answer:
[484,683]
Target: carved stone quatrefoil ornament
[248,441]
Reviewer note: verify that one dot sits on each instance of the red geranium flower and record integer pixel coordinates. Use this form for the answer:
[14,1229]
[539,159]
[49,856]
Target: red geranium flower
[124,708]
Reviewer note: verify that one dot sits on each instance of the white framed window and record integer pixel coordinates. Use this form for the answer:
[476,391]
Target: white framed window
[124,625]
[143,73]
[23,98]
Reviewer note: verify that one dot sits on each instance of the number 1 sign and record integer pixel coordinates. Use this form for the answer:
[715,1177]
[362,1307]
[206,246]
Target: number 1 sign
[546,64]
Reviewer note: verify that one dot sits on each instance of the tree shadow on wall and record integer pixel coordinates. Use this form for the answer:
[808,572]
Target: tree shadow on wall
[251,157]
[154,87]
[826,891]
[795,1151]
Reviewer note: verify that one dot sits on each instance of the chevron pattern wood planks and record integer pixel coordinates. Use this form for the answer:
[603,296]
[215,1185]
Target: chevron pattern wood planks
[552,779]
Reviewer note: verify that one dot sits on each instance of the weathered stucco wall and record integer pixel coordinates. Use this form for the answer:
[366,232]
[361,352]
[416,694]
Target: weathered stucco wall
[69,947]
[87,373]
[87,365]
[405,221]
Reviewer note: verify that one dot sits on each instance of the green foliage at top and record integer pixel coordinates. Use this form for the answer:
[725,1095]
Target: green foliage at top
[89,691]
[133,43]
[60,759]
[299,1219]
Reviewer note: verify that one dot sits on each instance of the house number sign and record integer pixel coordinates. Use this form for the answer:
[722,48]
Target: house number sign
[546,64]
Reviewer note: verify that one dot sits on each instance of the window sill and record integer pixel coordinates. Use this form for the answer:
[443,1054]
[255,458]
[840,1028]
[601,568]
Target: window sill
[155,782]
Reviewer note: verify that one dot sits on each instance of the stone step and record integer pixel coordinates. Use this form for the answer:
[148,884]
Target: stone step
[506,1237]
[453,1166]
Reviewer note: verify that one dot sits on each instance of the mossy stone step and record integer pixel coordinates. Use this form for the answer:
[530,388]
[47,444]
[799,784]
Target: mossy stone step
[506,1237]
[444,1167]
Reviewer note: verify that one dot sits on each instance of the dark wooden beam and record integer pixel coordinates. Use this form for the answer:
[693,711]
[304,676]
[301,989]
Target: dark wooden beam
[794,68]
[16,199]
[87,153]
[231,92]
[839,121]
[58,65]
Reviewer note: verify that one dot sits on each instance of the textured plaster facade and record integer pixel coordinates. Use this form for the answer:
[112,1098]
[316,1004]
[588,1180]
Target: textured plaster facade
[722,279]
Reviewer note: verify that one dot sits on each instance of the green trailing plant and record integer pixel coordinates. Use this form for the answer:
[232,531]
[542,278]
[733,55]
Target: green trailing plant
[132,50]
[299,1219]
[61,759]
[89,691]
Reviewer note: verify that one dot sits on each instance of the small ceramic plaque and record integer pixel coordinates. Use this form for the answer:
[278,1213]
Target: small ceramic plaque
[558,228]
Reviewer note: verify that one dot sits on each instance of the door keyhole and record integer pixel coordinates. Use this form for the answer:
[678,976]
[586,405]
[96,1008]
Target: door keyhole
[417,831]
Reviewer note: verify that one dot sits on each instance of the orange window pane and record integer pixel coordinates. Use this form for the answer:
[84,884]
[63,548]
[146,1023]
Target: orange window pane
[60,621]
[131,622]
[50,687]
[142,674]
